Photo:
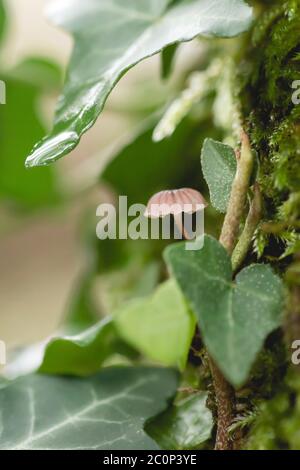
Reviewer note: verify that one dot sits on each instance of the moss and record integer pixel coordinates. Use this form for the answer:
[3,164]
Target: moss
[265,80]
[277,424]
[266,70]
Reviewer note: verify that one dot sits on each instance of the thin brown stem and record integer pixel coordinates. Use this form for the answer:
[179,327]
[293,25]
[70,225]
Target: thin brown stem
[238,196]
[225,401]
[225,394]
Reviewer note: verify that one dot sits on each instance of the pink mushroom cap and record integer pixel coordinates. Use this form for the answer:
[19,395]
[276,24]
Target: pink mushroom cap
[175,202]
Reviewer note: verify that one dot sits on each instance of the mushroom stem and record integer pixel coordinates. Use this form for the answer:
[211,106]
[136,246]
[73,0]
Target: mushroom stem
[180,225]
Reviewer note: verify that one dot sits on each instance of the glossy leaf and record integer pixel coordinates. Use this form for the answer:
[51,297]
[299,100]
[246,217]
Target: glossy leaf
[234,317]
[110,38]
[107,411]
[185,426]
[160,326]
[219,168]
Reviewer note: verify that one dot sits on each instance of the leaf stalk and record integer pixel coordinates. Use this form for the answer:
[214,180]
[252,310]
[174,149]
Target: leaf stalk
[225,394]
[238,196]
[252,221]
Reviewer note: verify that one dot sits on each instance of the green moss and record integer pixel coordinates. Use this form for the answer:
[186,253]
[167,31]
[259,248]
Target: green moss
[285,148]
[265,80]
[265,74]
[277,425]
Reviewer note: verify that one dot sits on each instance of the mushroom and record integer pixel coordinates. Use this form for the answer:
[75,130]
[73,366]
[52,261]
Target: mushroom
[175,202]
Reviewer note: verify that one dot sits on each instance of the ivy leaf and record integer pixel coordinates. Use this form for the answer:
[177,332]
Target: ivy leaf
[107,411]
[110,38]
[219,168]
[83,354]
[234,317]
[184,426]
[79,354]
[160,326]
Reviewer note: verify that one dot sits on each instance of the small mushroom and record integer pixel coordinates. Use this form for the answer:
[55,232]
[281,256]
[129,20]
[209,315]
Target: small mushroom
[175,202]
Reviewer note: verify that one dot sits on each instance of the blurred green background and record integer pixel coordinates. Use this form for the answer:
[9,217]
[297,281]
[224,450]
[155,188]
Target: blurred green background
[48,215]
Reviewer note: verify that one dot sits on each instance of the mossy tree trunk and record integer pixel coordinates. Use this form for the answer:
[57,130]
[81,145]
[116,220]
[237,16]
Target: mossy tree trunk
[266,69]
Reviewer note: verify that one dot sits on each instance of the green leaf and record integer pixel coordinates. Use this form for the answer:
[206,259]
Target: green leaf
[185,426]
[82,311]
[83,354]
[167,60]
[80,354]
[110,38]
[107,411]
[160,326]
[219,168]
[234,317]
[29,190]
[3,383]
[136,279]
